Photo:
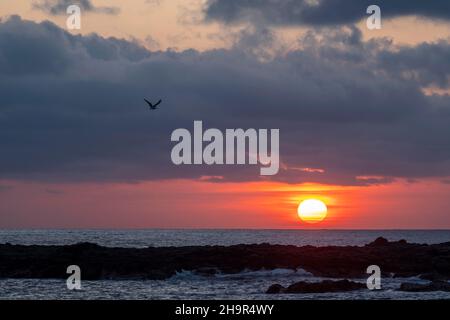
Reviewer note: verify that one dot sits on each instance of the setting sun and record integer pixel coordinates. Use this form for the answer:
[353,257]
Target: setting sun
[312,210]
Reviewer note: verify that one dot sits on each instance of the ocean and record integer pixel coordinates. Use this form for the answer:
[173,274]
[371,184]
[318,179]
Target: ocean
[187,285]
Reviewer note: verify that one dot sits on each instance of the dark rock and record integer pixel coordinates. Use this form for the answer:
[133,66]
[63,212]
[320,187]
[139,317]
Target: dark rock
[97,262]
[318,287]
[380,241]
[275,288]
[432,286]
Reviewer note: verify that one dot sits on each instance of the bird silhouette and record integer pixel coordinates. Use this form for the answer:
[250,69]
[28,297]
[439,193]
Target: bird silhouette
[153,106]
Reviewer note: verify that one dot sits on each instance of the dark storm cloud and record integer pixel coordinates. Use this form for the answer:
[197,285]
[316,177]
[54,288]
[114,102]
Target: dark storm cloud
[56,7]
[49,50]
[429,63]
[319,12]
[71,107]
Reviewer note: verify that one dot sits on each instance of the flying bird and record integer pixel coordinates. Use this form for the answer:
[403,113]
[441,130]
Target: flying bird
[153,106]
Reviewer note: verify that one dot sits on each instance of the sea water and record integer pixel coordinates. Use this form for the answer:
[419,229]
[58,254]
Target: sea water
[188,285]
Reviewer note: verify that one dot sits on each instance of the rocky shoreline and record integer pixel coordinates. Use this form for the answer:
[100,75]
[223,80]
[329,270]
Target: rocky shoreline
[398,259]
[325,286]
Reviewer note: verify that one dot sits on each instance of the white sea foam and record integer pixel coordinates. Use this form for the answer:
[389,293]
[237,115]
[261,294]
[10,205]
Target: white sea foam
[263,273]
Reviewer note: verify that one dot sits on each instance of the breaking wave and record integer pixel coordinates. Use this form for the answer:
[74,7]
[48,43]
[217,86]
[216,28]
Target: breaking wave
[263,273]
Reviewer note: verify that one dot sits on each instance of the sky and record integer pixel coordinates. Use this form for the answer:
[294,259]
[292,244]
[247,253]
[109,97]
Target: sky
[363,114]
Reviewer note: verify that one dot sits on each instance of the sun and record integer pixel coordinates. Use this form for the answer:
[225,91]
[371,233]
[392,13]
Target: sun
[312,210]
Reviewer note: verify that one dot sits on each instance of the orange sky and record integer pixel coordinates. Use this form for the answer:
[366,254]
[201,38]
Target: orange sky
[199,204]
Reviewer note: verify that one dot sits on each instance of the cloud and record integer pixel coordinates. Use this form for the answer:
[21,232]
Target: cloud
[71,107]
[428,63]
[151,43]
[4,188]
[57,7]
[318,12]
